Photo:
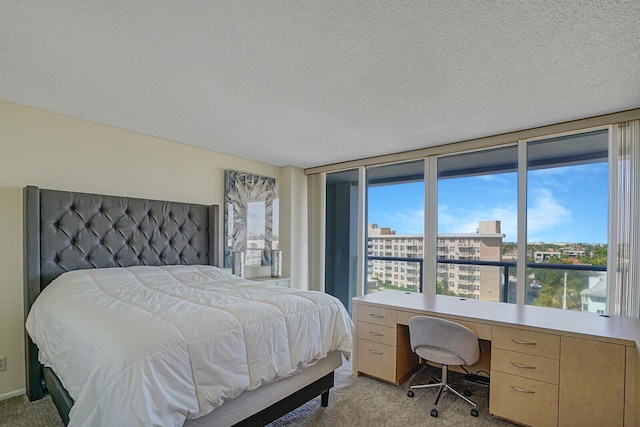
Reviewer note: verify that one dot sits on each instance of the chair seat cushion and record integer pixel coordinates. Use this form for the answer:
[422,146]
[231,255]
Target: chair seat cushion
[439,355]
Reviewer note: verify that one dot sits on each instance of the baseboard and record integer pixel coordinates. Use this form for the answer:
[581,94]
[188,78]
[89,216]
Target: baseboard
[11,394]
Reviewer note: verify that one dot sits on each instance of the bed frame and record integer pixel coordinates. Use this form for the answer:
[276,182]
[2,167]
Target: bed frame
[65,231]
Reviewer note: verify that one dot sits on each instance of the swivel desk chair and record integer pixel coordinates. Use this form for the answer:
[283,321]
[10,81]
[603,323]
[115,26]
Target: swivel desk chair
[447,343]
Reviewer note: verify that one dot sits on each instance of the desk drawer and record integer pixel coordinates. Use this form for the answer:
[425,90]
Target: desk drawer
[529,342]
[525,365]
[481,329]
[377,360]
[377,333]
[525,401]
[377,315]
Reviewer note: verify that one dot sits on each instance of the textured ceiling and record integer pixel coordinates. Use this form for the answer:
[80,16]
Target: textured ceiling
[308,83]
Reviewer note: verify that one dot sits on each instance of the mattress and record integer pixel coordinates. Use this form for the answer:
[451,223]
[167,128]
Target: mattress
[144,346]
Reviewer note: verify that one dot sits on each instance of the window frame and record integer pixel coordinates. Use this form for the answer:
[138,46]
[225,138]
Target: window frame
[430,245]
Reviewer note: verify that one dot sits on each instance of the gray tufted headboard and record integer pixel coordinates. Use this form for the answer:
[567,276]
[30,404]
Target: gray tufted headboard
[65,231]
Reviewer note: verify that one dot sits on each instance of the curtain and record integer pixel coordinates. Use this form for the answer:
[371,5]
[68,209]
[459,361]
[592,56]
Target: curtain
[623,295]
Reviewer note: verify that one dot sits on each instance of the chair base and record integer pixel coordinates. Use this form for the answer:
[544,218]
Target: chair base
[444,386]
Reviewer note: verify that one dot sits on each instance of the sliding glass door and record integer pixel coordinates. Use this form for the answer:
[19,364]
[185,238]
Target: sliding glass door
[341,243]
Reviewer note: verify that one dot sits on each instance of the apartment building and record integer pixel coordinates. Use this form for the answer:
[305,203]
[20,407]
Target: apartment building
[470,281]
[384,242]
[543,256]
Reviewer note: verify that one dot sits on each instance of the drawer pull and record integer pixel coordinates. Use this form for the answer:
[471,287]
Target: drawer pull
[375,351]
[376,316]
[520,365]
[522,390]
[523,342]
[376,334]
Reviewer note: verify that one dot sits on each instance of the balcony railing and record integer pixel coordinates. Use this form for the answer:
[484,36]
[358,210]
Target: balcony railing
[504,295]
[506,266]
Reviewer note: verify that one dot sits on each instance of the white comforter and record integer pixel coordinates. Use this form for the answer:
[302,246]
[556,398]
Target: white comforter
[153,346]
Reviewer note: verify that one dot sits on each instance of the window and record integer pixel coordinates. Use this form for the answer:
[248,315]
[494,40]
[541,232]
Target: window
[525,222]
[395,207]
[567,205]
[566,217]
[477,202]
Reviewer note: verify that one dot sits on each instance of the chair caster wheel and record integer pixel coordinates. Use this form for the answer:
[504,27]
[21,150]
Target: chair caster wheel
[434,413]
[474,412]
[410,393]
[467,392]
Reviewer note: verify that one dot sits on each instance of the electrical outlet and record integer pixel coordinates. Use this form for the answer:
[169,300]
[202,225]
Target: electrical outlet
[3,363]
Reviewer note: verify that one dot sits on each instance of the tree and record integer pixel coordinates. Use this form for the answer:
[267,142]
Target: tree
[442,288]
[552,292]
[597,255]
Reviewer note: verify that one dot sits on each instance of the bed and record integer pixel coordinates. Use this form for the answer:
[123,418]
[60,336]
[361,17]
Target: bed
[156,261]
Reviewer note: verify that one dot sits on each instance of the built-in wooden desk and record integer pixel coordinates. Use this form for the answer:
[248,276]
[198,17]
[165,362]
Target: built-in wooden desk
[548,366]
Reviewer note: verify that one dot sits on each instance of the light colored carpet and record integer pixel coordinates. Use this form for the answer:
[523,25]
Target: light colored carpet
[19,412]
[353,402]
[364,402]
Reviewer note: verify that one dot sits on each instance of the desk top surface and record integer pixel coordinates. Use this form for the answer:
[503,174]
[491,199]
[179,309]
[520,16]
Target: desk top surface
[621,330]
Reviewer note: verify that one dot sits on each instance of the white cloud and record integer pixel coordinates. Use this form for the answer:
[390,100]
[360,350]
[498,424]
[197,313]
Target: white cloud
[545,213]
[552,173]
[404,222]
[496,179]
[465,220]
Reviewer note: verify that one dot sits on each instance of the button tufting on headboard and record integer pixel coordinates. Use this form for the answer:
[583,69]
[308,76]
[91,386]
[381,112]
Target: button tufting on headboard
[81,231]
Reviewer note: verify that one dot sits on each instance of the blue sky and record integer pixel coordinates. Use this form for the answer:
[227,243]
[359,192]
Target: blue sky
[567,204]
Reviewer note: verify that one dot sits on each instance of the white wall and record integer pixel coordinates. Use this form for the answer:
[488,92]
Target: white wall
[59,152]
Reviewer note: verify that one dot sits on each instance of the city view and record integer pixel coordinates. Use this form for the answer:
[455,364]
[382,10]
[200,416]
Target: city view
[578,285]
[566,225]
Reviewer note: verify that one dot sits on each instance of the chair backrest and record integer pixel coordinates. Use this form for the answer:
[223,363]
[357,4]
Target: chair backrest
[444,334]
